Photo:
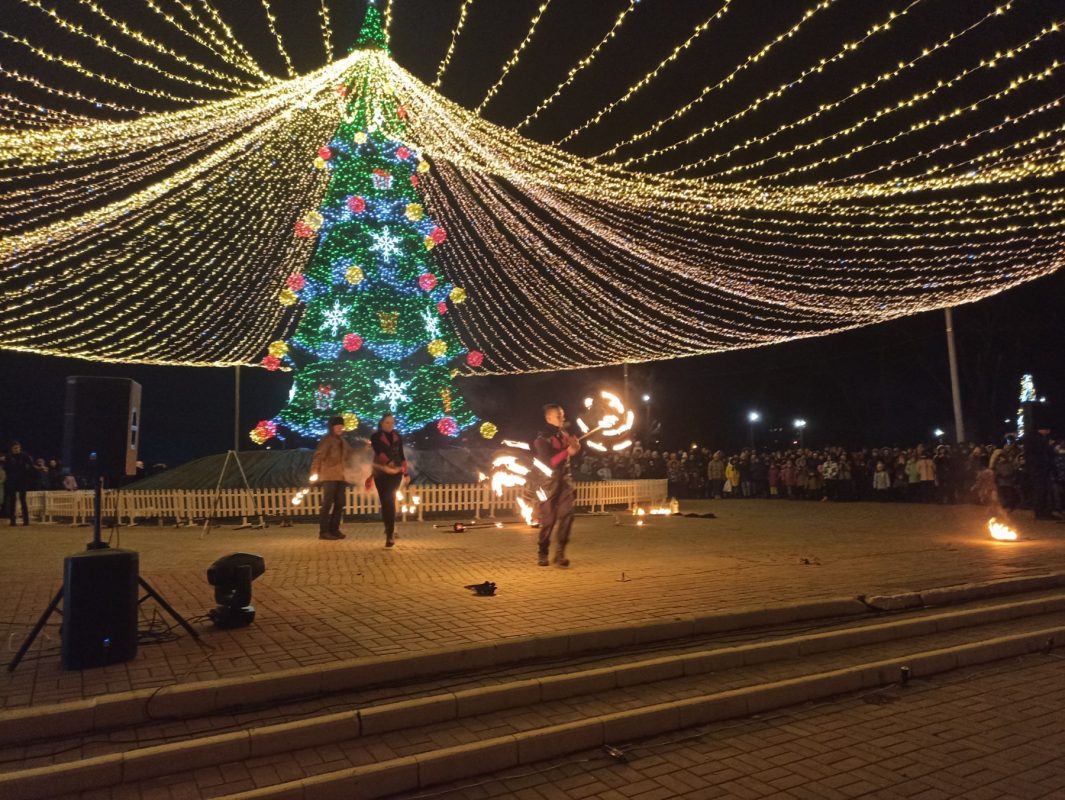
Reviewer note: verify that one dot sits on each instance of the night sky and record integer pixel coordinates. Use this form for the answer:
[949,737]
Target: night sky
[885,384]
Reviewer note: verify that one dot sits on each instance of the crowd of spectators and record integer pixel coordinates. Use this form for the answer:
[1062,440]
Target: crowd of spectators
[967,473]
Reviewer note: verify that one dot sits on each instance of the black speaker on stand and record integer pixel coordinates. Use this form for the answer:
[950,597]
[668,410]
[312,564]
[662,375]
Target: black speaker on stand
[99,596]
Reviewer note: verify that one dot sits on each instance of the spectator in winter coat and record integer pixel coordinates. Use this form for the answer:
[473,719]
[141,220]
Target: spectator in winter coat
[926,473]
[715,474]
[20,478]
[882,482]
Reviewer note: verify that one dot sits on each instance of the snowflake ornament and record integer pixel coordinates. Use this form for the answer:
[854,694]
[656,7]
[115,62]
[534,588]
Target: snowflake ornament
[385,243]
[334,318]
[393,390]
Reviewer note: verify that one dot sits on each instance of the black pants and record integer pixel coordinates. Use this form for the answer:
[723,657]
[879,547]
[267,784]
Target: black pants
[556,516]
[10,496]
[332,506]
[387,486]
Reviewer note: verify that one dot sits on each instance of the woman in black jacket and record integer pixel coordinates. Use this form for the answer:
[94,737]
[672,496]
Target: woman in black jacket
[389,471]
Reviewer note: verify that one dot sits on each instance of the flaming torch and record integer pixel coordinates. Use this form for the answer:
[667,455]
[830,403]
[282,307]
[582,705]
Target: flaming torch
[1001,532]
[614,421]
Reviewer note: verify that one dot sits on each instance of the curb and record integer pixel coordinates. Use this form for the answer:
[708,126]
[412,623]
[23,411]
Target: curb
[467,761]
[159,760]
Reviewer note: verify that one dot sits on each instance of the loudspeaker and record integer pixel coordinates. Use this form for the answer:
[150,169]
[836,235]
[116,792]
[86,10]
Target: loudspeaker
[99,608]
[102,416]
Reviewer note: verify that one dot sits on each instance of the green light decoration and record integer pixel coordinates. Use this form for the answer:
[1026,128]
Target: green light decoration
[374,336]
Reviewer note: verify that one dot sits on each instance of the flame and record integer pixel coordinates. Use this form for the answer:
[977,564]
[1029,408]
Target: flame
[1001,532]
[526,511]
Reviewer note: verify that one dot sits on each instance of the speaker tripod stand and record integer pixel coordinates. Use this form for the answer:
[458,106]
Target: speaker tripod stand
[244,522]
[97,543]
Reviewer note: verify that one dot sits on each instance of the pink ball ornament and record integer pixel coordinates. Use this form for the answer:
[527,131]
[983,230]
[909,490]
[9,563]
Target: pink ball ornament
[448,426]
[402,153]
[303,230]
[427,282]
[475,358]
[325,153]
[414,180]
[441,307]
[438,235]
[272,363]
[352,342]
[295,282]
[356,204]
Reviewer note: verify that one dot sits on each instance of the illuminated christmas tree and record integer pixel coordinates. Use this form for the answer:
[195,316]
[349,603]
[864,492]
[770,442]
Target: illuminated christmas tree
[375,334]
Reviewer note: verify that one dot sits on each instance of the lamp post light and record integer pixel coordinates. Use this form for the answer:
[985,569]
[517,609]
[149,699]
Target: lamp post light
[800,426]
[939,433]
[752,418]
[647,414]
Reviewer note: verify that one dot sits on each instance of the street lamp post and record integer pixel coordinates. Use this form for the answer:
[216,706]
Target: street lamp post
[800,426]
[647,415]
[752,418]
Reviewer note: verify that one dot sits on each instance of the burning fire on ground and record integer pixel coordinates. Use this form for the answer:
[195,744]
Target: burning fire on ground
[1001,531]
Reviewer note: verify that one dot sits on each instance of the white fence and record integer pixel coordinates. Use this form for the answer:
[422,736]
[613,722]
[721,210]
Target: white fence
[187,506]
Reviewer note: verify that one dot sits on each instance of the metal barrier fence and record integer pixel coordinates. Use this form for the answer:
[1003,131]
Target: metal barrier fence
[188,506]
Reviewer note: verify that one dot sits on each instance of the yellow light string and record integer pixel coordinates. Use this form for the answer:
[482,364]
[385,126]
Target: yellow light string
[581,65]
[752,59]
[700,29]
[236,51]
[99,41]
[825,108]
[271,23]
[69,94]
[147,41]
[928,122]
[388,20]
[440,70]
[910,102]
[780,90]
[109,79]
[327,31]
[514,56]
[212,43]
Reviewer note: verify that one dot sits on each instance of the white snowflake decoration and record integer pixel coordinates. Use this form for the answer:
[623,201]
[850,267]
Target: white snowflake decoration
[392,390]
[432,323]
[335,318]
[385,243]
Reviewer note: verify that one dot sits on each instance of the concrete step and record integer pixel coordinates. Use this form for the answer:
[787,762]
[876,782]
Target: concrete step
[549,704]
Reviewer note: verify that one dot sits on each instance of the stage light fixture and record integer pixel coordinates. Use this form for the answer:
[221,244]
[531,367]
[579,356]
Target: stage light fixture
[232,576]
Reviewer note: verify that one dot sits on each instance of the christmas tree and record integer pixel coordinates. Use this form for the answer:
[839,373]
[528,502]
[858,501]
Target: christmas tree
[374,336]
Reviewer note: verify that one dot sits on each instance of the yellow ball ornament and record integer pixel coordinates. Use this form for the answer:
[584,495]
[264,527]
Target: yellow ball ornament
[415,212]
[319,163]
[313,220]
[278,349]
[429,243]
[423,167]
[351,422]
[256,436]
[360,137]
[437,348]
[458,295]
[287,297]
[488,430]
[354,275]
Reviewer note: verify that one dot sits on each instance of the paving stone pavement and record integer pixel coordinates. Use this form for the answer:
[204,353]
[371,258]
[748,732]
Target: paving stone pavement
[323,601]
[993,732]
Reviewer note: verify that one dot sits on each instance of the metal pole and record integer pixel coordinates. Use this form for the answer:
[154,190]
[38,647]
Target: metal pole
[625,377]
[955,391]
[236,408]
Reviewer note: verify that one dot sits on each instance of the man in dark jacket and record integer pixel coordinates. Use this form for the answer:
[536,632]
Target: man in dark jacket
[20,477]
[554,448]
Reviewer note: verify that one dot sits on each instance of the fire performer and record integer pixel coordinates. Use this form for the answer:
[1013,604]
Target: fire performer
[389,472]
[554,447]
[328,467]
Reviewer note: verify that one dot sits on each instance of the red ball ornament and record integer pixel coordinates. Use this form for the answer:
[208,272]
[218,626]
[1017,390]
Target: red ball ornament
[303,230]
[438,235]
[272,363]
[356,204]
[266,429]
[427,282]
[413,180]
[352,342]
[441,307]
[475,358]
[401,112]
[402,153]
[325,153]
[342,90]
[295,282]
[448,426]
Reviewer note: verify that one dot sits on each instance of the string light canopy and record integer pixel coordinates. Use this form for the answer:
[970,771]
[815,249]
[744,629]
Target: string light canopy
[156,189]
